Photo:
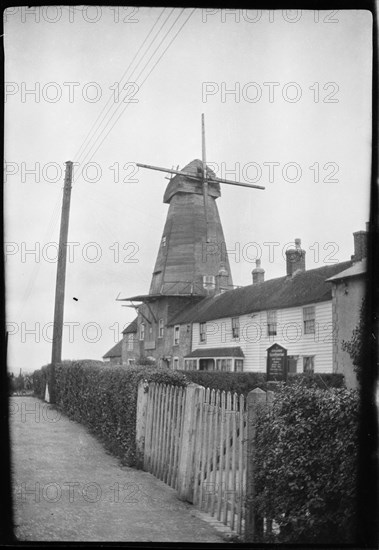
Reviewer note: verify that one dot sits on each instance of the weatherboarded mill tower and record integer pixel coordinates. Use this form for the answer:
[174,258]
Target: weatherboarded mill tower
[192,256]
[192,263]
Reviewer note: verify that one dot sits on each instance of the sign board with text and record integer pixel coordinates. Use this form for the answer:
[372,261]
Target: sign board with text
[276,363]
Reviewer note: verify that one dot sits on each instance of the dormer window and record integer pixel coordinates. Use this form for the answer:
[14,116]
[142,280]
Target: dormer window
[209,282]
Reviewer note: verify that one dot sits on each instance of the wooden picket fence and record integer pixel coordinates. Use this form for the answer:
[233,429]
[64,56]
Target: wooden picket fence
[220,457]
[216,453]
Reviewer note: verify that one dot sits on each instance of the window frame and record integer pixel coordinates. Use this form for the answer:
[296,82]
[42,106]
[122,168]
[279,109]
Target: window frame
[203,333]
[272,322]
[235,328]
[190,364]
[240,361]
[306,358]
[176,335]
[309,320]
[224,364]
[161,328]
[130,341]
[142,332]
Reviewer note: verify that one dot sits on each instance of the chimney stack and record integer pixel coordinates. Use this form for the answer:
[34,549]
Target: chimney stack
[295,259]
[360,245]
[258,273]
[222,279]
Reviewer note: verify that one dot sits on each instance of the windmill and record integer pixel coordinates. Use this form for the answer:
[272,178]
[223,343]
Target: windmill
[192,262]
[204,176]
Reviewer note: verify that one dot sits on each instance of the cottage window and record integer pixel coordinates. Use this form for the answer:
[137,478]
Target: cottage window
[160,328]
[176,335]
[235,327]
[203,333]
[150,332]
[309,317]
[238,365]
[309,364]
[190,364]
[142,331]
[224,365]
[176,363]
[271,323]
[209,282]
[130,341]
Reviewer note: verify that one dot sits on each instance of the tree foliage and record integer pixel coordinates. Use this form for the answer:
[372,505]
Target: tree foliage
[354,347]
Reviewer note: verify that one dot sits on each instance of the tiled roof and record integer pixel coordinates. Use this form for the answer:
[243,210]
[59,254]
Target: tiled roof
[305,287]
[115,351]
[235,351]
[131,328]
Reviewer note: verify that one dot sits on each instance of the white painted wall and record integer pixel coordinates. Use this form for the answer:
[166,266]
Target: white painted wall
[290,334]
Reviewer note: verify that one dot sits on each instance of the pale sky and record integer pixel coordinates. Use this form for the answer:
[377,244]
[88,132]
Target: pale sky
[298,122]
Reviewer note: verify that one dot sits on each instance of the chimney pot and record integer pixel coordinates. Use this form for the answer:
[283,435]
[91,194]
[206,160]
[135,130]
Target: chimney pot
[258,273]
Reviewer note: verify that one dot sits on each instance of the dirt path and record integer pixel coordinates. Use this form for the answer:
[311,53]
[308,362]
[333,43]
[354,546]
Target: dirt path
[66,487]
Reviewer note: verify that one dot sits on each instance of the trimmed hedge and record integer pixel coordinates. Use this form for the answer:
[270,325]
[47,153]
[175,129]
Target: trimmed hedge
[243,382]
[239,382]
[306,464]
[104,398]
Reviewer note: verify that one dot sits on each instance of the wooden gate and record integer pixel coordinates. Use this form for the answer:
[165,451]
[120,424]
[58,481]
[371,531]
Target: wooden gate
[220,457]
[202,452]
[164,420]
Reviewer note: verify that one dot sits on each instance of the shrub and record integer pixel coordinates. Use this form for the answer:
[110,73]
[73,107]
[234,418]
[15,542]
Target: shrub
[39,382]
[104,398]
[306,464]
[243,382]
[323,380]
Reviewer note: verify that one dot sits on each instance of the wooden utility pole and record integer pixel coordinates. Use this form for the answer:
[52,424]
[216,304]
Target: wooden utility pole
[56,355]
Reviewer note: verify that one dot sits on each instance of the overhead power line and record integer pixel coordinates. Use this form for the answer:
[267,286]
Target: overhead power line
[122,105]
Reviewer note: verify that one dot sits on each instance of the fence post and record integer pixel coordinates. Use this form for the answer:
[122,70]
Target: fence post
[186,467]
[142,398]
[253,524]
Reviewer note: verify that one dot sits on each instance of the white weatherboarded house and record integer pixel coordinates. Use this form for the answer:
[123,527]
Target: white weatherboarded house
[232,331]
